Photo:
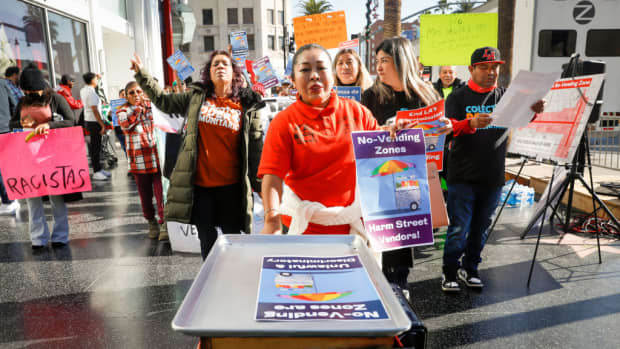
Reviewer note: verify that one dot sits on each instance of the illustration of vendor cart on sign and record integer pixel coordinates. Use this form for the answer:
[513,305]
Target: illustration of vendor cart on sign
[293,281]
[407,192]
[406,188]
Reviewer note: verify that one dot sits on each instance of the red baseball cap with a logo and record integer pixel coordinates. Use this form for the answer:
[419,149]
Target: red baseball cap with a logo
[486,54]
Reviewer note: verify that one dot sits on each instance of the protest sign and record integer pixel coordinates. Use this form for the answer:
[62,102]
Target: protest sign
[326,29]
[264,72]
[555,133]
[392,178]
[239,43]
[289,67]
[169,123]
[303,288]
[350,92]
[54,164]
[451,39]
[351,44]
[428,119]
[115,105]
[183,237]
[179,63]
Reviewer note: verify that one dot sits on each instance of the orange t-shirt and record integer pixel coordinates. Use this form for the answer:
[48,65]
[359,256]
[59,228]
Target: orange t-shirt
[219,127]
[311,149]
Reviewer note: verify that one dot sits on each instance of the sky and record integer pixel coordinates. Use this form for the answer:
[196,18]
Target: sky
[355,11]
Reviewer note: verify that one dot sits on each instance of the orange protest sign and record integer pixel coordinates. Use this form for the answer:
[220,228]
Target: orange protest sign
[325,29]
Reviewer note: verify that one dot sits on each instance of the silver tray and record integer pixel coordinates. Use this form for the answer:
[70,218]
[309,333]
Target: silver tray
[222,299]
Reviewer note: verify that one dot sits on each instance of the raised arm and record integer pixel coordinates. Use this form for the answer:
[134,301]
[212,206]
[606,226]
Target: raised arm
[175,103]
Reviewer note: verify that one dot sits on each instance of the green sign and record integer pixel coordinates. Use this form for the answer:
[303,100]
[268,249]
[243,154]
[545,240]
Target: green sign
[451,39]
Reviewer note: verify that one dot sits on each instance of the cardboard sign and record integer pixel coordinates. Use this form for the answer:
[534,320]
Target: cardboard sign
[264,72]
[393,183]
[55,164]
[428,119]
[179,62]
[350,92]
[438,204]
[451,39]
[303,288]
[183,237]
[326,29]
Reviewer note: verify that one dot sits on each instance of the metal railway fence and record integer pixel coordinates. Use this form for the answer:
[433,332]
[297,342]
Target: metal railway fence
[605,148]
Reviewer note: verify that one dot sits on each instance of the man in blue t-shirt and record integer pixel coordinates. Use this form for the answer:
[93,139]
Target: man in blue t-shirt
[475,168]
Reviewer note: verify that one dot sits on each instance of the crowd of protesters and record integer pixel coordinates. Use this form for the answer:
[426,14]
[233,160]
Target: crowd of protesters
[303,168]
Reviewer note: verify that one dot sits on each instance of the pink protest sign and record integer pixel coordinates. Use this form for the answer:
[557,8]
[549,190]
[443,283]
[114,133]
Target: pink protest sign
[45,165]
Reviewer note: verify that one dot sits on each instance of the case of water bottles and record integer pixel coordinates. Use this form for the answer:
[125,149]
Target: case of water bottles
[521,195]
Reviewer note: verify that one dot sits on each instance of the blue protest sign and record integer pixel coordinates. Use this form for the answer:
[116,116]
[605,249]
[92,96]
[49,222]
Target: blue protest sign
[239,43]
[350,92]
[265,73]
[179,62]
[292,288]
[393,182]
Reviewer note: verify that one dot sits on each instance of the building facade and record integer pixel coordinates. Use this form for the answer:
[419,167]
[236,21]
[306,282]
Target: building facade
[267,23]
[74,37]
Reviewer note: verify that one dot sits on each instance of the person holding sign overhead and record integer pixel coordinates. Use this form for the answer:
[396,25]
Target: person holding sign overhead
[476,164]
[398,86]
[41,109]
[215,172]
[350,71]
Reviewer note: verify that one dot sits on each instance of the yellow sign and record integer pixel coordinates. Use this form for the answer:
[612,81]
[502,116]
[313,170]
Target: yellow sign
[325,29]
[451,39]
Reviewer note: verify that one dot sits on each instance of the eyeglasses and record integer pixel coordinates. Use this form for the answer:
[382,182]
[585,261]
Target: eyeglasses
[133,92]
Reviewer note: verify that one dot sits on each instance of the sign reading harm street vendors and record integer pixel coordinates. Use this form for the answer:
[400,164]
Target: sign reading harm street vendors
[306,288]
[54,164]
[393,183]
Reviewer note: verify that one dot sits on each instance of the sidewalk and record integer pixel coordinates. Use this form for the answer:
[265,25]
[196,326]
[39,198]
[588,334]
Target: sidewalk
[538,175]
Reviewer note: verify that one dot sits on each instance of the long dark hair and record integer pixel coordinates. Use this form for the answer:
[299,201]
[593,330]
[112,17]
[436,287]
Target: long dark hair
[205,74]
[34,100]
[406,64]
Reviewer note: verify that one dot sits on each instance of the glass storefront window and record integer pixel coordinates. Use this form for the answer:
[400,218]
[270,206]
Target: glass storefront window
[22,37]
[69,49]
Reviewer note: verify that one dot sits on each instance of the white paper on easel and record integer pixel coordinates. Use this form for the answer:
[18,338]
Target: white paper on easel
[513,110]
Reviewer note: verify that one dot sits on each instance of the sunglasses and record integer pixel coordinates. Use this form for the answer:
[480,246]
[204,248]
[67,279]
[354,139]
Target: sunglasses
[134,92]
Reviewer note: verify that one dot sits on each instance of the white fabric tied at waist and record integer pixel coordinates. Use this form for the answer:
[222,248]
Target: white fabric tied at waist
[304,212]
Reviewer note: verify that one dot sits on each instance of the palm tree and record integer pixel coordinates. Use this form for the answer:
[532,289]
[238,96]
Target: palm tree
[464,7]
[391,18]
[506,18]
[313,7]
[442,7]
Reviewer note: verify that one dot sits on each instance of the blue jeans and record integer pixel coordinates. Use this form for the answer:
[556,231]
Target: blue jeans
[39,233]
[471,209]
[4,198]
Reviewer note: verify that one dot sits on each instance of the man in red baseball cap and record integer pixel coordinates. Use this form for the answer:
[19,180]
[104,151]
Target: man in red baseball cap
[476,168]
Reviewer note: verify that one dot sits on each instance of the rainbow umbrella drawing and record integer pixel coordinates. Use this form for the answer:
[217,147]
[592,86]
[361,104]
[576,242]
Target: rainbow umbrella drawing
[389,168]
